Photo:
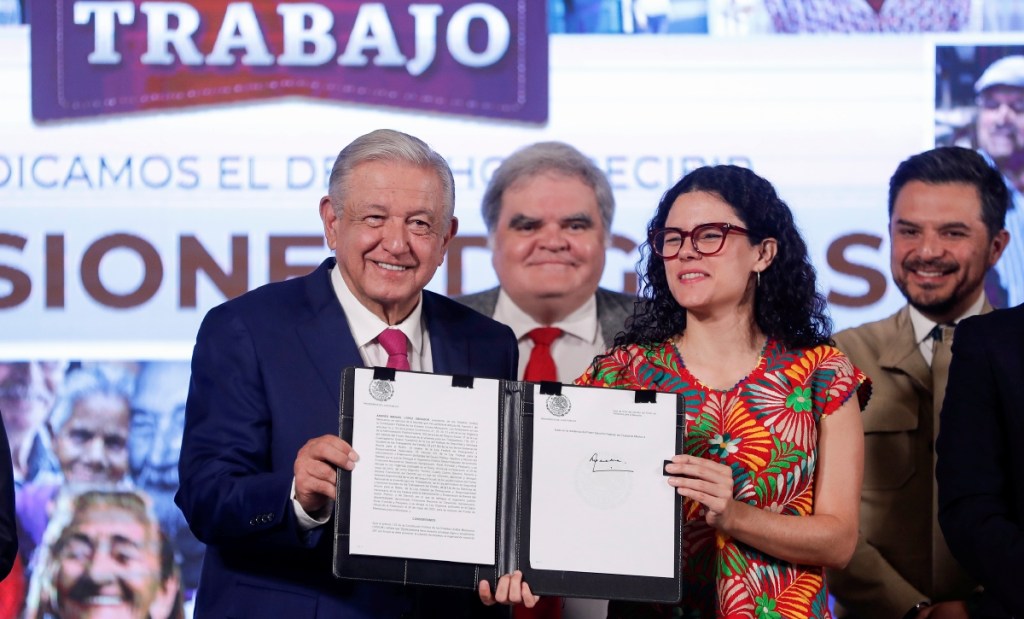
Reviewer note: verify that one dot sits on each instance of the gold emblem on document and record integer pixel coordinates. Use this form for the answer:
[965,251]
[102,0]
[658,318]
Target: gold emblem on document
[382,390]
[558,405]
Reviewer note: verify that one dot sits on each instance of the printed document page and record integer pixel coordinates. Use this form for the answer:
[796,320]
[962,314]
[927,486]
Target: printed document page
[426,481]
[600,501]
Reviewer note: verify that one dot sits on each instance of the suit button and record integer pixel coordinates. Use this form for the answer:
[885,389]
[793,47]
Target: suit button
[252,522]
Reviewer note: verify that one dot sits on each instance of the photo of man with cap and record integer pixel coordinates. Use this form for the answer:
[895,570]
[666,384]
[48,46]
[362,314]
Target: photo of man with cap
[999,136]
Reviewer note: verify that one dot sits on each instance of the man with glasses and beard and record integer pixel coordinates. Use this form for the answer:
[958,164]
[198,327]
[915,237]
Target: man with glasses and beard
[947,210]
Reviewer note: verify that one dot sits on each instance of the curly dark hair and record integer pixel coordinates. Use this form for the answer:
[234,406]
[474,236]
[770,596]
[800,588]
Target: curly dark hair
[787,305]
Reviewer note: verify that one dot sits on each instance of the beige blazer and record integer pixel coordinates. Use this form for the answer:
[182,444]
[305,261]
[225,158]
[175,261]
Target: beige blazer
[901,556]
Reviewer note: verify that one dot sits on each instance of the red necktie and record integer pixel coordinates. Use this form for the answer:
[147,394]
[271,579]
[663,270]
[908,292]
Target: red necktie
[549,607]
[541,366]
[394,343]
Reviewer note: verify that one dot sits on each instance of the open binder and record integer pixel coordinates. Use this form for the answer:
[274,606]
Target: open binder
[577,520]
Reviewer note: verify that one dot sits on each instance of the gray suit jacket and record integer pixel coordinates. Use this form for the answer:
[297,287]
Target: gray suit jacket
[613,308]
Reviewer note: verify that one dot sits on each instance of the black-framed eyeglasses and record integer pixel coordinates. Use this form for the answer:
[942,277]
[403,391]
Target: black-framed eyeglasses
[707,239]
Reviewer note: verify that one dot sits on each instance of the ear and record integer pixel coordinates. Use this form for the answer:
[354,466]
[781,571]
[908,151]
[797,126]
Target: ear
[766,254]
[453,229]
[329,218]
[997,246]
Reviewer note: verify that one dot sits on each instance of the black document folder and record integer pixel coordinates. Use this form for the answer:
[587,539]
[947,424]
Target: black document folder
[519,406]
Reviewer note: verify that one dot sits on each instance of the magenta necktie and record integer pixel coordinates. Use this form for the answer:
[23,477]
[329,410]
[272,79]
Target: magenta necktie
[396,346]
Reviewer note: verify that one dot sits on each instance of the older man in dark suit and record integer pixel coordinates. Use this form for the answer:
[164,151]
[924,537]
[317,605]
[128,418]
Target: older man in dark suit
[261,450]
[981,492]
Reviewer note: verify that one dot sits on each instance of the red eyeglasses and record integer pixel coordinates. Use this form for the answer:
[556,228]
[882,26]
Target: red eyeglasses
[707,239]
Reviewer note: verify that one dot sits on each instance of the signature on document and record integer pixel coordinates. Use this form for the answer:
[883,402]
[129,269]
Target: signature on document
[607,464]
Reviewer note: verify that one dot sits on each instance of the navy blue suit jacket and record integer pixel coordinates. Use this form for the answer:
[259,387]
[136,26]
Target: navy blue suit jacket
[266,378]
[980,459]
[8,516]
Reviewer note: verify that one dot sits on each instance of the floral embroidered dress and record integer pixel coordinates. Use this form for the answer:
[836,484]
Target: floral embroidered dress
[766,429]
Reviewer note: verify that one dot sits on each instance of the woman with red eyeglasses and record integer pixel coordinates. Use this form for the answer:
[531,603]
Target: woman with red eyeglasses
[770,469]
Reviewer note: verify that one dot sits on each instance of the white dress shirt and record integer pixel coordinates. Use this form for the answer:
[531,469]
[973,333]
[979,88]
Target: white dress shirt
[573,352]
[365,326]
[923,326]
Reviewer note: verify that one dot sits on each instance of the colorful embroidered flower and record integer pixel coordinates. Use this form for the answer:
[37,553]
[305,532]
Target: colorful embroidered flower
[721,446]
[800,400]
[765,608]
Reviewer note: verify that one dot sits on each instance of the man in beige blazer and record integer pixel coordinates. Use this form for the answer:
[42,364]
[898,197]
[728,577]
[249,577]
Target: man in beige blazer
[947,210]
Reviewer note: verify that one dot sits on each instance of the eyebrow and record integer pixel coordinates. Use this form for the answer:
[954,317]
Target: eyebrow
[904,222]
[423,214]
[949,225]
[519,220]
[582,218]
[78,536]
[373,207]
[127,541]
[116,538]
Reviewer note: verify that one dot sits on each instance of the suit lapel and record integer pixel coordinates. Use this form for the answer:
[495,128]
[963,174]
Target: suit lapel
[489,301]
[610,316]
[324,332]
[449,350]
[903,354]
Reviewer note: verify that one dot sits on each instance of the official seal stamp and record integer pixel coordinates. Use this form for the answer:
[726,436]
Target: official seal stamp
[381,390]
[558,405]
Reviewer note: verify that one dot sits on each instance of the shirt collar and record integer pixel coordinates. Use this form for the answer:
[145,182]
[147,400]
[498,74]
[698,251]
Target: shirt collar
[923,325]
[581,323]
[366,326]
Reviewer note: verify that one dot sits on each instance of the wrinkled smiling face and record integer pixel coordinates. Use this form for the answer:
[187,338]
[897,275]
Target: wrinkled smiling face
[92,445]
[941,248]
[109,566]
[158,420]
[390,236]
[1001,121]
[549,243]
